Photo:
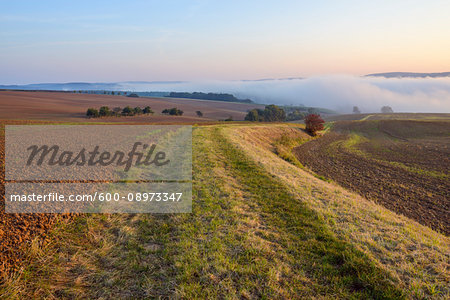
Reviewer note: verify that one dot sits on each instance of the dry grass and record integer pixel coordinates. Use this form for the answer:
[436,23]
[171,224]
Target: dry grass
[414,254]
[260,227]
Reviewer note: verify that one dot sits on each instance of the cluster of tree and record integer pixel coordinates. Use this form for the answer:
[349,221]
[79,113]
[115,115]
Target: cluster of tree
[105,111]
[271,113]
[387,110]
[97,92]
[356,110]
[314,123]
[172,111]
[133,95]
[208,96]
[296,115]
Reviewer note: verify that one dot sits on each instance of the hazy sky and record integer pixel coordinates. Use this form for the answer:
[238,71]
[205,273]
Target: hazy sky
[61,41]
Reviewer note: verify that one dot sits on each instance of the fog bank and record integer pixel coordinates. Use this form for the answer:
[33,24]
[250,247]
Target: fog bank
[338,92]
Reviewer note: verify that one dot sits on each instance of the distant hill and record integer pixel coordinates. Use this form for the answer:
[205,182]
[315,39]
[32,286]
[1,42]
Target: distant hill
[208,96]
[409,74]
[85,86]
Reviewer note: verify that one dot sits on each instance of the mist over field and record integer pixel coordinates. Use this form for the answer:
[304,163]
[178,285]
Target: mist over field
[338,92]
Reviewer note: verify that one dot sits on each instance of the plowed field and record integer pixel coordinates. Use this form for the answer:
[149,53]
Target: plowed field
[402,164]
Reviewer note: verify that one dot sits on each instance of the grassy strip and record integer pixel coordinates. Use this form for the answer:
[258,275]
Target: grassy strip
[221,251]
[341,269]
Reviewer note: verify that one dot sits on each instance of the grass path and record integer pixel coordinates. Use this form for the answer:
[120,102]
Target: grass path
[249,236]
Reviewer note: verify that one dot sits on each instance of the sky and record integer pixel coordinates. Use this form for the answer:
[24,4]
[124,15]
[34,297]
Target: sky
[111,41]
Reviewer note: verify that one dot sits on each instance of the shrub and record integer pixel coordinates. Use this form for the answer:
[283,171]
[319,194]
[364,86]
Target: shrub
[127,111]
[199,113]
[92,113]
[104,111]
[117,110]
[147,110]
[253,115]
[387,110]
[137,110]
[314,123]
[296,115]
[173,111]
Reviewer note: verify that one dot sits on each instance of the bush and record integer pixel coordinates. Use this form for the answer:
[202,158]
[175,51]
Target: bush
[127,111]
[147,110]
[199,113]
[173,112]
[296,115]
[104,111]
[253,115]
[92,113]
[137,110]
[314,123]
[387,110]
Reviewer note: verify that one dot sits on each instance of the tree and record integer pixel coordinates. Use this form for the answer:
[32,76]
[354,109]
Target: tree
[199,113]
[117,110]
[137,110]
[356,110]
[314,123]
[296,115]
[92,113]
[387,110]
[273,113]
[312,110]
[173,112]
[104,111]
[252,115]
[112,93]
[230,118]
[127,111]
[148,110]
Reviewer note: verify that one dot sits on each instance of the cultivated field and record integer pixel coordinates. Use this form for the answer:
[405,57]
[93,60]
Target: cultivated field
[262,226]
[58,106]
[401,164]
[391,116]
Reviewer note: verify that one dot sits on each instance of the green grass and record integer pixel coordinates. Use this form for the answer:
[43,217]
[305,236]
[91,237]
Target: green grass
[338,268]
[247,237]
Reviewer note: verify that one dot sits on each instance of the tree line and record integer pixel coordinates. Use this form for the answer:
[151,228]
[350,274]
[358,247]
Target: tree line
[208,96]
[105,111]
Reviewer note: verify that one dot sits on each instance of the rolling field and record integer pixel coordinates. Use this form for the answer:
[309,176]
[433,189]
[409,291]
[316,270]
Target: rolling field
[261,227]
[58,106]
[401,164]
[388,116]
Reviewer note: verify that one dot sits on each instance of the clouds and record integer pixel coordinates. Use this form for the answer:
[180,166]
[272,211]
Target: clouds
[339,92]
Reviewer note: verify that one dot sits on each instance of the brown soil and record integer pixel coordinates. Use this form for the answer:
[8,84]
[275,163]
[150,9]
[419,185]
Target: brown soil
[404,165]
[72,107]
[18,230]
